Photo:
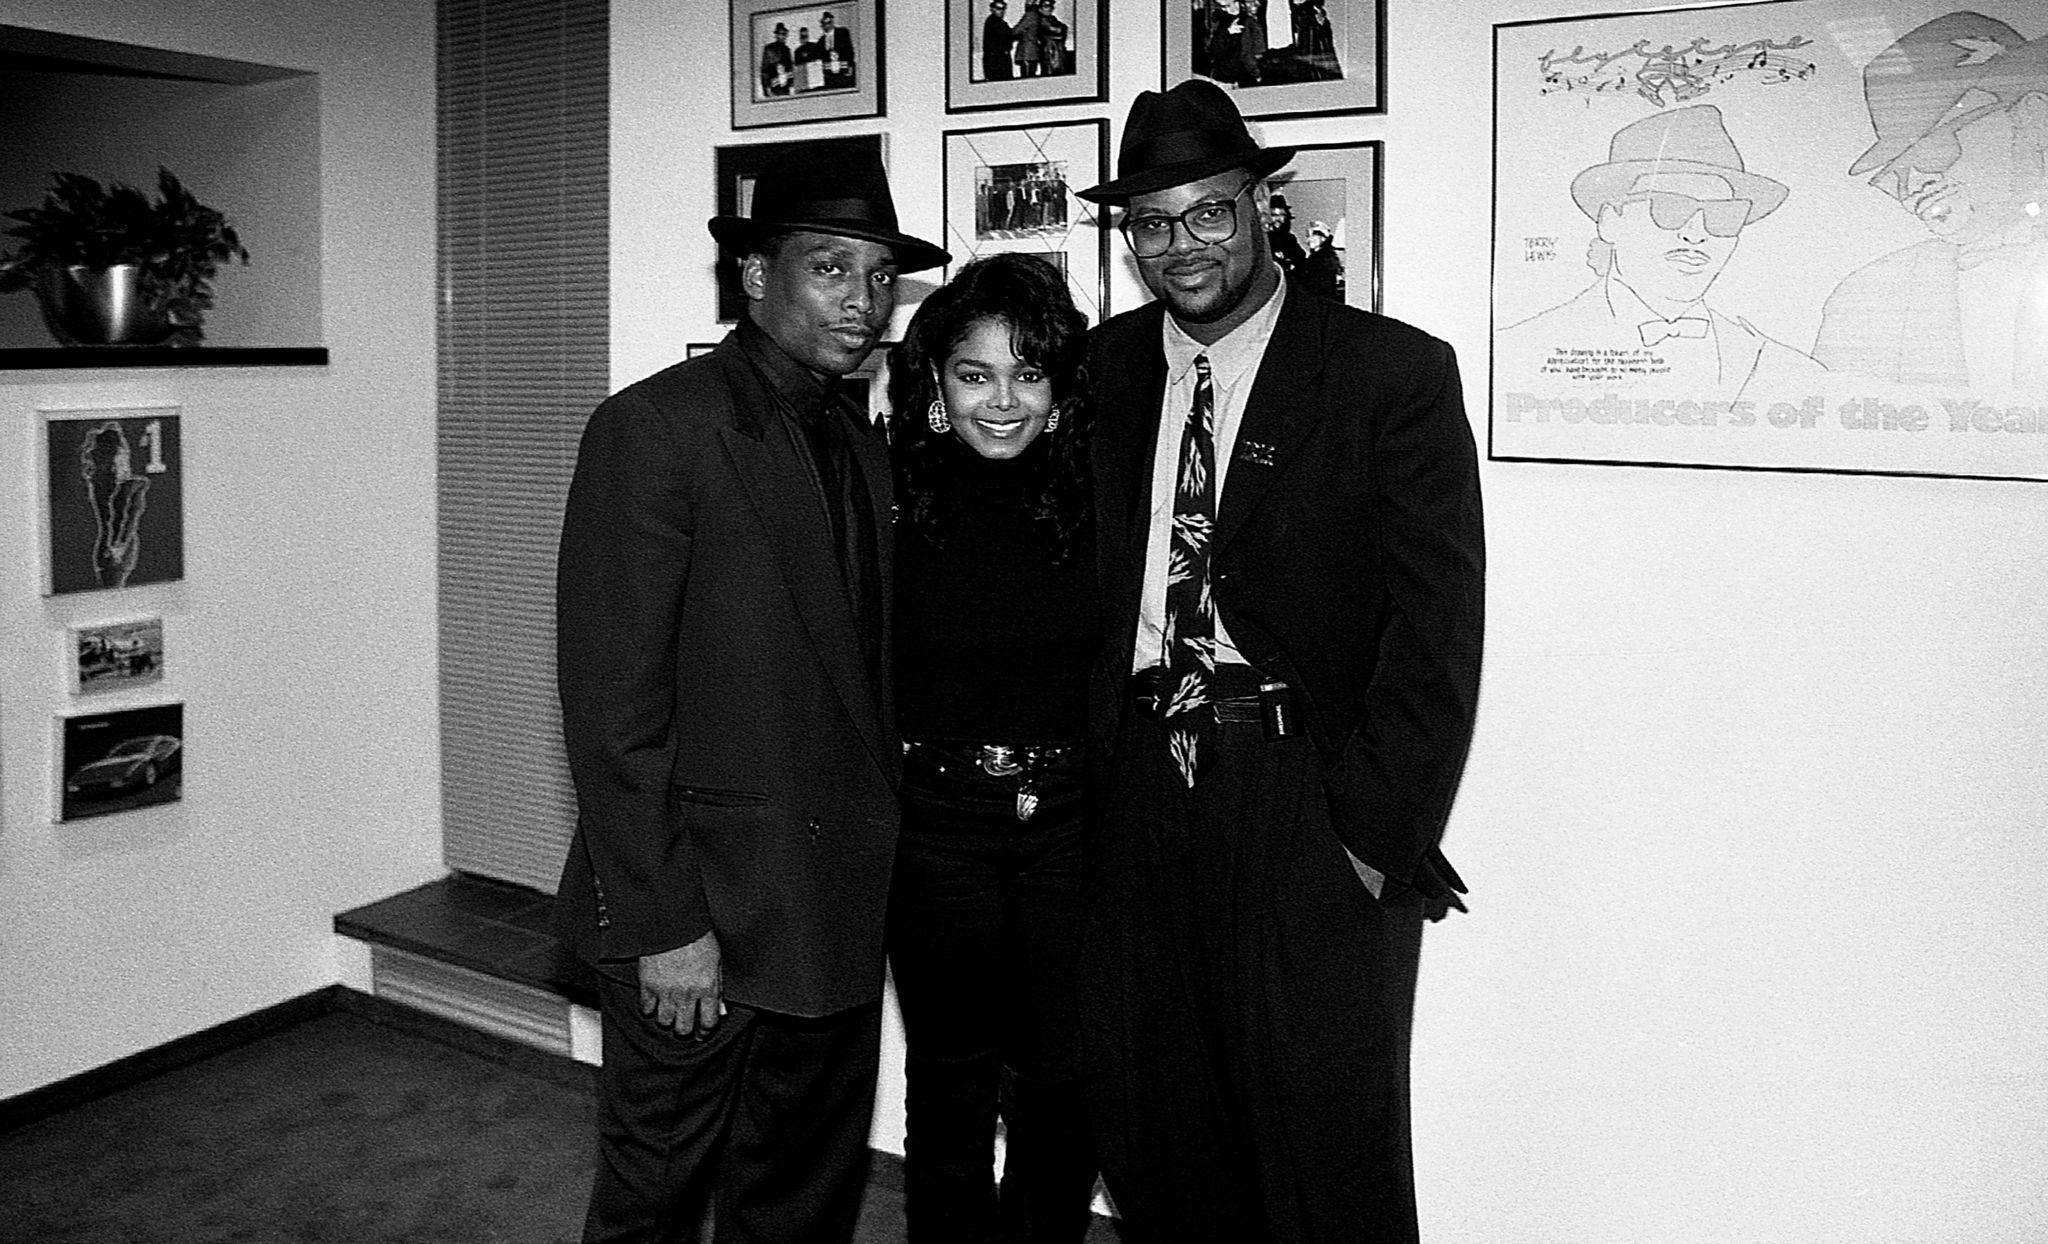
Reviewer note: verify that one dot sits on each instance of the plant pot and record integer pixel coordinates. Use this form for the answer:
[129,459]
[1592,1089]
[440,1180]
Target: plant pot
[100,307]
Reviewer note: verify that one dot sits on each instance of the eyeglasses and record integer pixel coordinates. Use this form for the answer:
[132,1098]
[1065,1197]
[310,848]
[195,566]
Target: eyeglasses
[1725,217]
[1211,223]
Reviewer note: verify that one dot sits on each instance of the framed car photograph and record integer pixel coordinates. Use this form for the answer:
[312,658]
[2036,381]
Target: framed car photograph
[1798,236]
[737,168]
[793,63]
[119,761]
[116,656]
[1012,189]
[1280,58]
[113,508]
[1022,53]
[1324,222]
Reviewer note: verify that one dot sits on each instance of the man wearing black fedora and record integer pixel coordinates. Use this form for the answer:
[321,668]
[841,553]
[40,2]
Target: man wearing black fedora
[1292,569]
[723,669]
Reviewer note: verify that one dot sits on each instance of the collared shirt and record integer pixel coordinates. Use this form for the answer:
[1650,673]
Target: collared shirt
[799,386]
[823,421]
[1687,345]
[1233,366]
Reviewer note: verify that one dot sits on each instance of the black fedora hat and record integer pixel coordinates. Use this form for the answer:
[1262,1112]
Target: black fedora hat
[835,192]
[1182,135]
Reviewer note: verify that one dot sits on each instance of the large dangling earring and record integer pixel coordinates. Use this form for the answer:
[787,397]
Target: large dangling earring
[1052,421]
[935,415]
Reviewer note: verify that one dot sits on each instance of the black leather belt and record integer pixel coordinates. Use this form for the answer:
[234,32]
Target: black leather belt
[1240,691]
[995,759]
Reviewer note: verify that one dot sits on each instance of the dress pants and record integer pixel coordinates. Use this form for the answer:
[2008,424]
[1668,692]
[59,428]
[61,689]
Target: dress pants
[1246,1006]
[766,1119]
[985,916]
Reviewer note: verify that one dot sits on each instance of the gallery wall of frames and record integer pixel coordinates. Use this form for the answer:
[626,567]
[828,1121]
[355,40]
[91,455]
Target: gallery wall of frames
[111,514]
[1030,94]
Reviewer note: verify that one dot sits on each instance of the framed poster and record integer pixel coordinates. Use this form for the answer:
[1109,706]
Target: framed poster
[1013,190]
[793,63]
[118,761]
[1795,236]
[116,656]
[1017,53]
[737,168]
[113,499]
[1325,221]
[1280,58]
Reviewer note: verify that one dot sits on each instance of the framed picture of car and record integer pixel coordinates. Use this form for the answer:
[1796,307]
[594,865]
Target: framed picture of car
[1024,53]
[1012,189]
[1280,58]
[116,656]
[119,761]
[793,63]
[113,498]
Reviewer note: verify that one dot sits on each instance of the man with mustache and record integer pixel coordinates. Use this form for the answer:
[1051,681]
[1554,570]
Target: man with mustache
[1668,208]
[1960,108]
[724,655]
[1292,573]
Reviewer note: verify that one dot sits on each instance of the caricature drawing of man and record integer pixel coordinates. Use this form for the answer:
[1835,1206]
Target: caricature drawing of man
[1668,207]
[1960,109]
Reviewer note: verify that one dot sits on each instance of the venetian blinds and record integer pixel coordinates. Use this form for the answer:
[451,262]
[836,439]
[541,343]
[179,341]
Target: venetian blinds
[524,357]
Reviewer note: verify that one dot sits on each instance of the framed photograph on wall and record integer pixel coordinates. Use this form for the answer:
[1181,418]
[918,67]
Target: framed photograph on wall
[116,656]
[1280,58]
[121,760]
[1325,222]
[1775,237]
[1012,189]
[1020,53]
[793,63]
[736,170]
[113,512]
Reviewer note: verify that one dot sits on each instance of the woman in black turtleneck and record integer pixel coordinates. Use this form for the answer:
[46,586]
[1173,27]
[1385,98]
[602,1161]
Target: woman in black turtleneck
[996,622]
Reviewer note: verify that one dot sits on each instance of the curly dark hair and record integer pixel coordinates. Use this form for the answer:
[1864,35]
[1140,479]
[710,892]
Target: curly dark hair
[1030,295]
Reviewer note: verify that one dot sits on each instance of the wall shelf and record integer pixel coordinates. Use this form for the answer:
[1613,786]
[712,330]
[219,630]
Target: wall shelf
[52,358]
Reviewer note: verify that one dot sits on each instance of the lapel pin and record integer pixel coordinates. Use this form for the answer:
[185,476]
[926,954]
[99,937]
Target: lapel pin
[1257,452]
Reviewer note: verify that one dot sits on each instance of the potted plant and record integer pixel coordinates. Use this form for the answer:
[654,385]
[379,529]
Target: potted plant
[113,266]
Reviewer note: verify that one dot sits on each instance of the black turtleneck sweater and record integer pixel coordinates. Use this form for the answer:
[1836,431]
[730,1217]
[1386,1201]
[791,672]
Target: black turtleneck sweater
[993,641]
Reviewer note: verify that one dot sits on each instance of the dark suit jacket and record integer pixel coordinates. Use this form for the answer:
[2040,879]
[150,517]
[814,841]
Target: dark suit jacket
[1348,556]
[735,763]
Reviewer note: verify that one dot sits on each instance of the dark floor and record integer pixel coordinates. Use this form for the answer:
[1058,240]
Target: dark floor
[341,1129]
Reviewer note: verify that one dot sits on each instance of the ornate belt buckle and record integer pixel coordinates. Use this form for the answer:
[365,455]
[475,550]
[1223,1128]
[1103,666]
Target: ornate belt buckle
[998,761]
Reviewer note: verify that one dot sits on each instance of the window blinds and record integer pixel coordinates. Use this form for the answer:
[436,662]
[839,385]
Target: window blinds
[523,359]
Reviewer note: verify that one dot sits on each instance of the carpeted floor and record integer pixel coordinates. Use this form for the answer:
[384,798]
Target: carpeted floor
[339,1129]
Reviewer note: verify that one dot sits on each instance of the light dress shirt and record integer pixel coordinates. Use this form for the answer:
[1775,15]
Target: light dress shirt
[1233,366]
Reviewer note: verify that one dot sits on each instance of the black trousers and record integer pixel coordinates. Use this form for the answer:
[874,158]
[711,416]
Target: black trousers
[766,1120]
[1246,1006]
[985,917]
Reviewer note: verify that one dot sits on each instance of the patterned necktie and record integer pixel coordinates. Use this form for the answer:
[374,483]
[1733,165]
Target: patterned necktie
[1190,641]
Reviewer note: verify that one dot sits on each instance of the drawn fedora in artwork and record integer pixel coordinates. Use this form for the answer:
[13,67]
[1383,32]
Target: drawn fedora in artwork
[1941,75]
[1683,140]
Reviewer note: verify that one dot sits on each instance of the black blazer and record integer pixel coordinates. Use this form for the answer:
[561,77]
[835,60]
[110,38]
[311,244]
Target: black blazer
[1348,556]
[735,765]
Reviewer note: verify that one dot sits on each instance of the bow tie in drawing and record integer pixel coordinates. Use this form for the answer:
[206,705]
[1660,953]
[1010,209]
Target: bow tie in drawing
[1654,331]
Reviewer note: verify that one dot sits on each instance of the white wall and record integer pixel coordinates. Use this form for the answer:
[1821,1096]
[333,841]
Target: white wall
[1759,944]
[302,639]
